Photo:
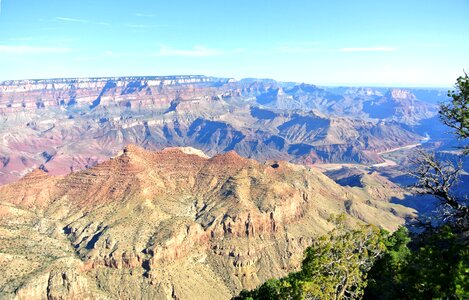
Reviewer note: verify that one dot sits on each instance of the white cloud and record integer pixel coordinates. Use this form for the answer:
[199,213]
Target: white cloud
[368,49]
[196,51]
[72,20]
[27,50]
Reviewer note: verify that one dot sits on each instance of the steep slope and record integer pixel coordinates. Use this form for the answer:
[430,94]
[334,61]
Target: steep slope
[62,125]
[371,182]
[400,105]
[95,93]
[169,224]
[64,145]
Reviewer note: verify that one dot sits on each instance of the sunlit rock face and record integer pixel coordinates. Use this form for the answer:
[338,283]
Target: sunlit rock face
[63,125]
[171,224]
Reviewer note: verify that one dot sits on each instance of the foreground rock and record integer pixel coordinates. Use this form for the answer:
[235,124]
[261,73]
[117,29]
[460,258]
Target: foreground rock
[169,224]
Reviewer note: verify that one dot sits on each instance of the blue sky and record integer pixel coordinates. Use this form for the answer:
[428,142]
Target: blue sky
[400,42]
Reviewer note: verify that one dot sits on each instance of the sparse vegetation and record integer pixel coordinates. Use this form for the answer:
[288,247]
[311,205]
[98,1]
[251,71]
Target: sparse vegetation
[455,114]
[438,178]
[371,264]
[334,267]
[351,264]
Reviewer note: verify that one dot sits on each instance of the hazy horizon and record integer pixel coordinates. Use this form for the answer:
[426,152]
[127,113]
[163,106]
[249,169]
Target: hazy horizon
[371,85]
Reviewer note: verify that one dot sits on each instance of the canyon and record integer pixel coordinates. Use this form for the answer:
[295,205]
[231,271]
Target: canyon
[64,125]
[192,187]
[174,224]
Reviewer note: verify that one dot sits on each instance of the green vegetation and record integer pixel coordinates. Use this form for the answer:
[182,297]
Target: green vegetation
[334,267]
[369,263]
[437,178]
[432,265]
[455,114]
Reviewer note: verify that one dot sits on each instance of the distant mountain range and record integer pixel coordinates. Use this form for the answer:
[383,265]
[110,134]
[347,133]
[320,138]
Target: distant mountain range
[62,125]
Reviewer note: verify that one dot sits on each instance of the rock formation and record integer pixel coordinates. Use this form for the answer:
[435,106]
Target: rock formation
[173,224]
[62,125]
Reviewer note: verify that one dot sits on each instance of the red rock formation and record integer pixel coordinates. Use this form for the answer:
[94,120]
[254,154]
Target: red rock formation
[151,213]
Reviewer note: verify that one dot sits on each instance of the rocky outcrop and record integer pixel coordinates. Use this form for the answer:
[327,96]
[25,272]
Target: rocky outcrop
[173,223]
[59,285]
[64,125]
[20,95]
[400,105]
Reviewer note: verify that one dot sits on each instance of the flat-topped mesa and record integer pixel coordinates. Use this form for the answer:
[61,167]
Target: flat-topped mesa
[167,80]
[151,92]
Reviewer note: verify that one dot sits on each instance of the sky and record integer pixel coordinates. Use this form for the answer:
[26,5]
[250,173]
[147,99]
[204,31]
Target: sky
[325,42]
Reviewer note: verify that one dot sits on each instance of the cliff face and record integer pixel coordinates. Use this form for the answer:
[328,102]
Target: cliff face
[169,224]
[400,105]
[62,125]
[19,95]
